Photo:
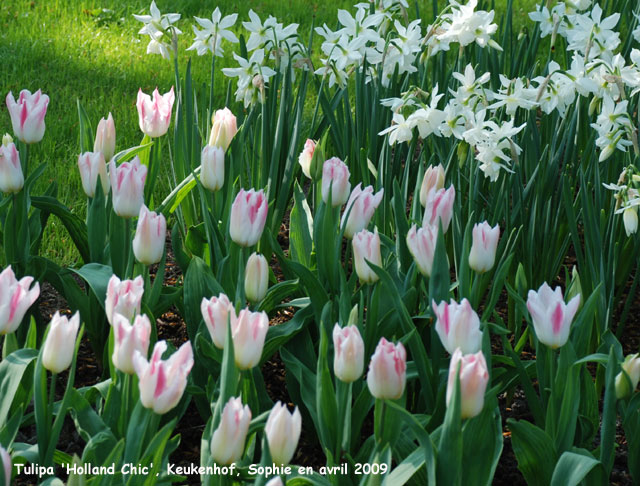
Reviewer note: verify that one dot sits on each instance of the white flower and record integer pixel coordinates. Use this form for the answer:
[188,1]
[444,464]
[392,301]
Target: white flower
[400,130]
[156,26]
[214,30]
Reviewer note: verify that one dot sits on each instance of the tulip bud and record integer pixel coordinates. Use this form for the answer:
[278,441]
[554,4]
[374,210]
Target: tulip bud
[248,215]
[216,314]
[422,246]
[433,179]
[387,371]
[11,177]
[304,159]
[58,348]
[348,360]
[123,297]
[92,166]
[551,316]
[458,326]
[483,249]
[360,208]
[162,383]
[439,206]
[148,243]
[128,339]
[474,377]
[366,246]
[283,432]
[625,385]
[630,218]
[212,167]
[127,184]
[335,175]
[248,333]
[27,115]
[5,459]
[106,138]
[275,481]
[223,130]
[15,299]
[256,278]
[227,442]
[154,116]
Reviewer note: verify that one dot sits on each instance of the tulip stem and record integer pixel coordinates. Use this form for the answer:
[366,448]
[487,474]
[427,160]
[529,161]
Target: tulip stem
[52,396]
[344,418]
[381,408]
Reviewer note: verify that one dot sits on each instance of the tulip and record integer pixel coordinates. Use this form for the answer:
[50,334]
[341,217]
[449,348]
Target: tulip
[5,458]
[127,183]
[27,115]
[154,116]
[275,481]
[305,157]
[128,339]
[58,348]
[223,130]
[422,245]
[216,314]
[625,385]
[11,177]
[433,179]
[360,208]
[148,243]
[123,297]
[212,167]
[248,215]
[348,359]
[283,432]
[483,249]
[15,299]
[227,442]
[474,378]
[162,383]
[366,246]
[92,166]
[248,333]
[387,371]
[458,326]
[335,175]
[439,206]
[105,138]
[630,219]
[551,316]
[256,278]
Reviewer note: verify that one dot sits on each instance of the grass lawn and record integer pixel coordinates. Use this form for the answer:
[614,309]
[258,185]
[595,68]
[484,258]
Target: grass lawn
[90,50]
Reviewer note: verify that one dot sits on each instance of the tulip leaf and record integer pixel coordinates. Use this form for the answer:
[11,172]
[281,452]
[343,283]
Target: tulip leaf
[608,432]
[534,450]
[300,229]
[572,468]
[479,465]
[97,276]
[12,368]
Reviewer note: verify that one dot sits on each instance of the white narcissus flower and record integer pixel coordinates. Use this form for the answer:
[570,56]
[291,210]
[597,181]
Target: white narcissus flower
[123,297]
[129,338]
[156,26]
[15,299]
[283,432]
[458,326]
[387,374]
[550,315]
[213,31]
[366,247]
[360,208]
[483,249]
[217,312]
[154,115]
[91,166]
[630,219]
[348,360]
[27,115]
[59,345]
[227,441]
[149,240]
[474,377]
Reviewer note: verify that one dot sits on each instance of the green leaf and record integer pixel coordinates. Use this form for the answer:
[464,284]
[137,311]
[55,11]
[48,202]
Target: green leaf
[300,229]
[97,276]
[534,450]
[608,433]
[479,464]
[572,469]
[12,368]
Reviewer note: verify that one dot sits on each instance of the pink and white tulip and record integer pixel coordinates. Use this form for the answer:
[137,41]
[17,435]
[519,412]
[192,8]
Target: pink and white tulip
[7,466]
[422,246]
[439,206]
[127,184]
[162,383]
[248,216]
[335,175]
[387,371]
[92,166]
[348,358]
[148,243]
[123,297]
[249,332]
[366,246]
[223,130]
[129,338]
[105,141]
[483,249]
[27,115]
[154,115]
[227,442]
[305,157]
[283,433]
[212,167]
[59,346]
[360,207]
[256,278]
[474,377]
[217,313]
[458,326]
[433,179]
[11,177]
[15,299]
[550,315]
